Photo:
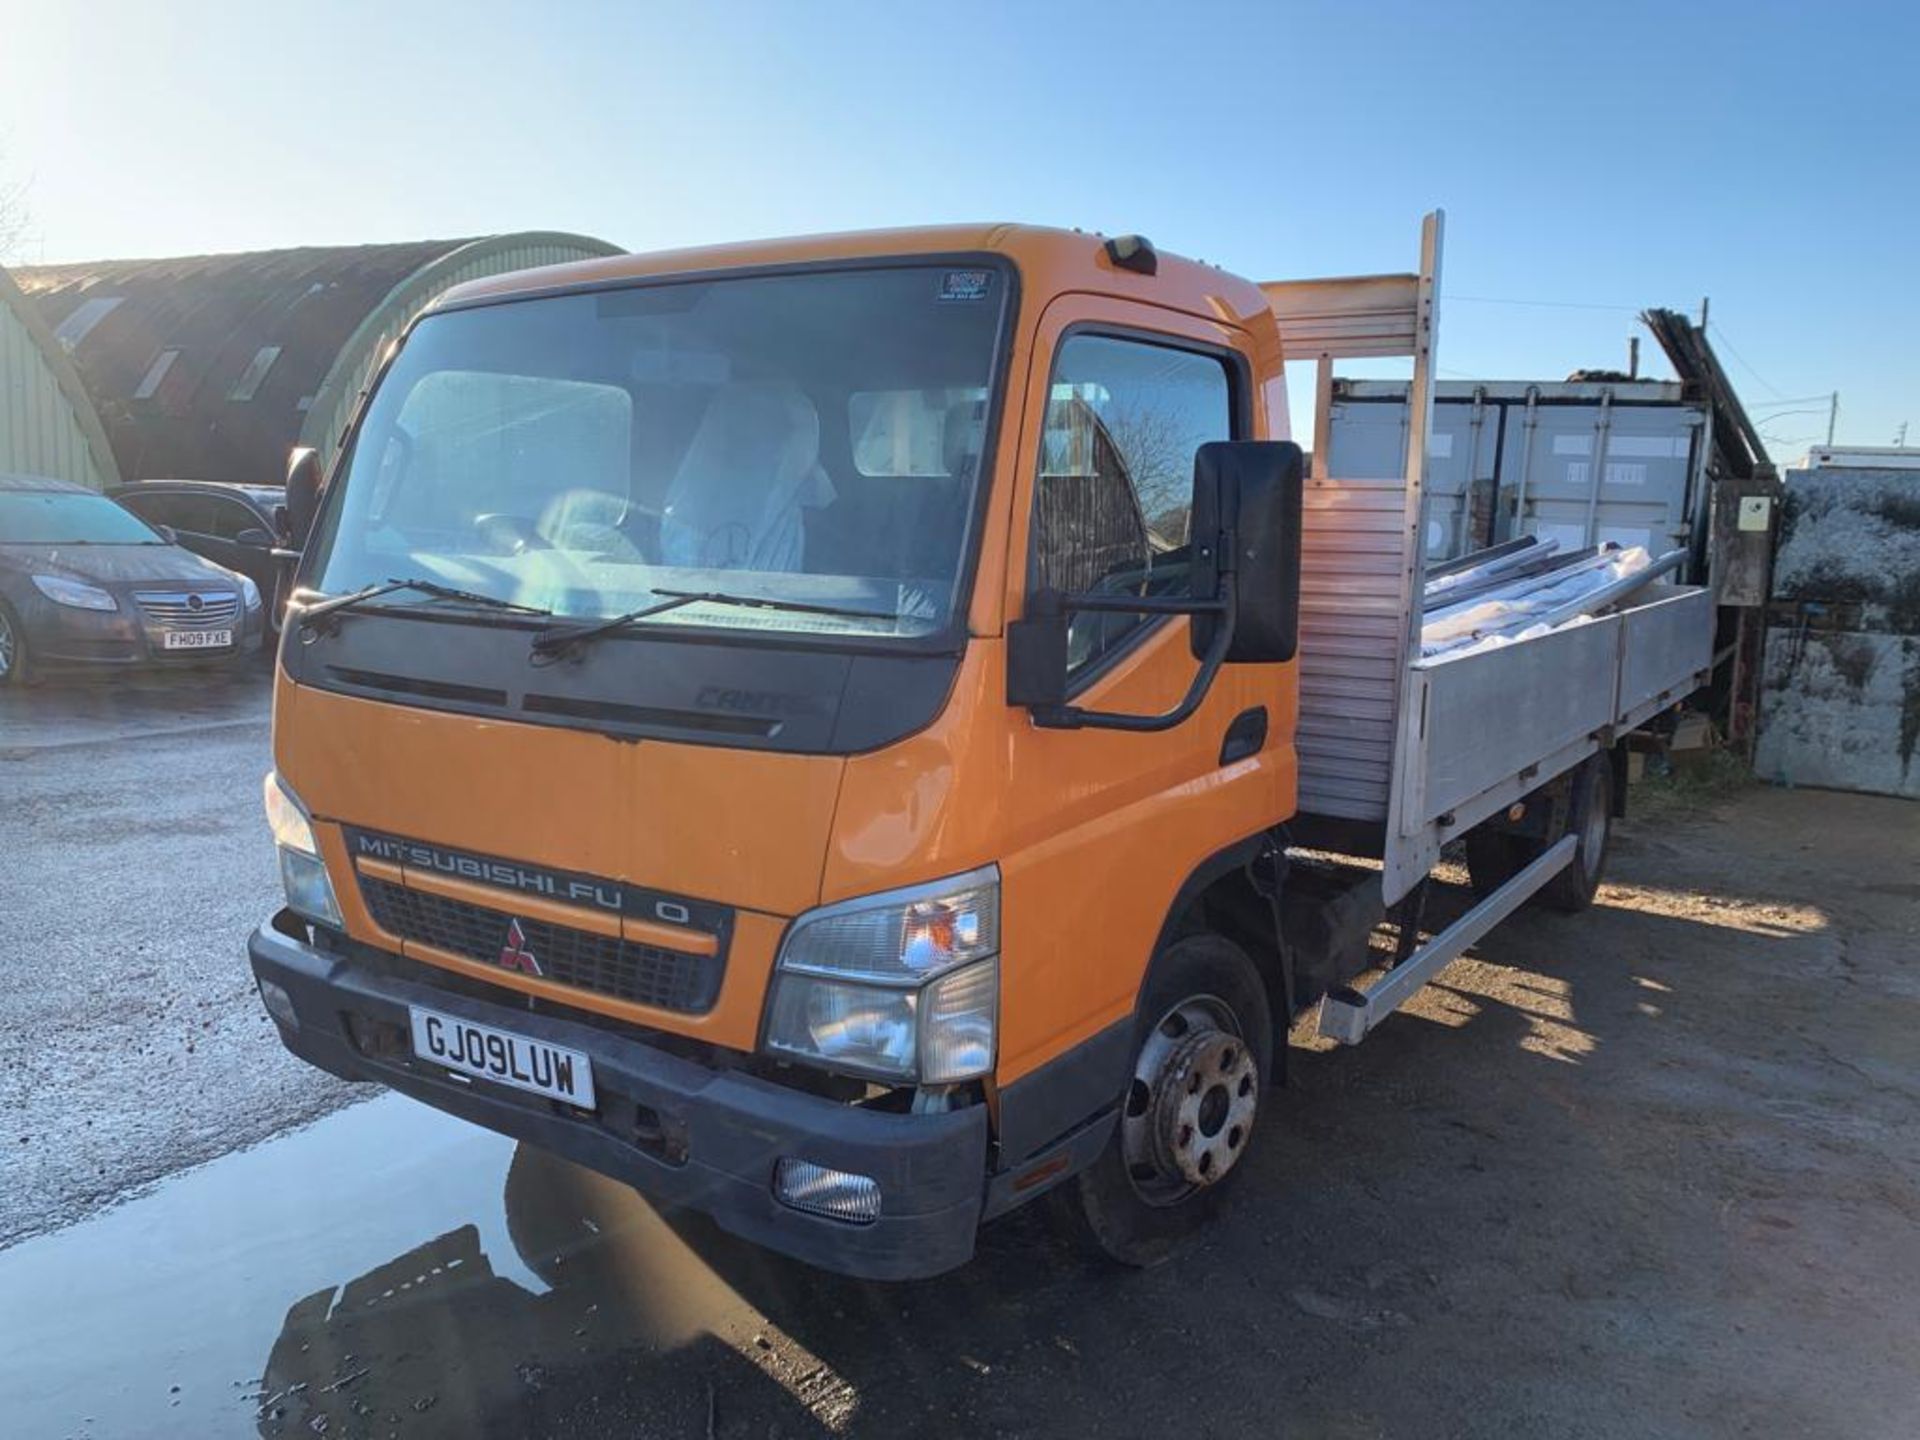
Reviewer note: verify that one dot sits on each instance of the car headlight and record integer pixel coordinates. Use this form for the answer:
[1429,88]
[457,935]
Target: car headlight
[249,593]
[904,985]
[303,873]
[74,594]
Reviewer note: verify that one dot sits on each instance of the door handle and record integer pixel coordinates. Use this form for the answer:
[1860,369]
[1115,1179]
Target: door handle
[1245,736]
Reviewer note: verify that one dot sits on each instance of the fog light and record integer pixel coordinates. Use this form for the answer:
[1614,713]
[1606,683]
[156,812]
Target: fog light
[832,1193]
[279,1004]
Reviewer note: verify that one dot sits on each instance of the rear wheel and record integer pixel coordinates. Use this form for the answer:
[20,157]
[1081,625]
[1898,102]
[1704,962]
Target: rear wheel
[14,669]
[1202,1051]
[1495,856]
[1591,819]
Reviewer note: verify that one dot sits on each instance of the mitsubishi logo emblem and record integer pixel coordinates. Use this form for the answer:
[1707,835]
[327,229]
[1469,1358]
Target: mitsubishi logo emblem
[515,955]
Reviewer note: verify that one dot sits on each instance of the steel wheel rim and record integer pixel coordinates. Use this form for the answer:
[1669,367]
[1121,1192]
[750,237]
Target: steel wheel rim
[1195,1074]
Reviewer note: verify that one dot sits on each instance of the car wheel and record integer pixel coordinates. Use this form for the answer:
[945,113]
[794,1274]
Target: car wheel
[15,664]
[1202,1050]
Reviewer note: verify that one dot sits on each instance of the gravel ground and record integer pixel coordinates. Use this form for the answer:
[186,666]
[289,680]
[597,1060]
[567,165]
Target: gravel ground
[136,860]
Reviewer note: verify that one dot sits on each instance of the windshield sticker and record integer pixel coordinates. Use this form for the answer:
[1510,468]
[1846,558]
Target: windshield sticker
[965,285]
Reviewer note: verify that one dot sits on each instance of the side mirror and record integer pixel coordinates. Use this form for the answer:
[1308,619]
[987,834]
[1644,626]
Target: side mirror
[167,532]
[254,539]
[1252,490]
[1244,563]
[303,492]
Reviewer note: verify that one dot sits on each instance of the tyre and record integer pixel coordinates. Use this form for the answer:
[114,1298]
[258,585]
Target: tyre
[1203,1046]
[14,664]
[1591,819]
[1495,856]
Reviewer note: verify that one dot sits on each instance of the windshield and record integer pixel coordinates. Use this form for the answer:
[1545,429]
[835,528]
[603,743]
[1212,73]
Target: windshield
[64,517]
[811,438]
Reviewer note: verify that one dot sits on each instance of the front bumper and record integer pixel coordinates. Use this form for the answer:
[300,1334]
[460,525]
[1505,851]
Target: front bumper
[62,635]
[680,1132]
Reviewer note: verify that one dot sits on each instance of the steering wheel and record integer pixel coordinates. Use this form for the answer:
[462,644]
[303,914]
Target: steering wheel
[509,534]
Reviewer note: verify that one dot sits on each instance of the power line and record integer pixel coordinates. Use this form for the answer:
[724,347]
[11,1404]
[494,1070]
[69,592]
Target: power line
[1765,384]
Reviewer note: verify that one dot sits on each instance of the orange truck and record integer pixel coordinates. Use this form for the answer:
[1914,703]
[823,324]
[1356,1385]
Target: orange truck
[854,734]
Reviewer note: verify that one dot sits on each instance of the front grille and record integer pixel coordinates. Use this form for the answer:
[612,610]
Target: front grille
[179,609]
[620,969]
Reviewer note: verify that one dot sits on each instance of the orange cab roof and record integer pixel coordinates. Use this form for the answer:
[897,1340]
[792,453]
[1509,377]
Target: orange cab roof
[1050,262]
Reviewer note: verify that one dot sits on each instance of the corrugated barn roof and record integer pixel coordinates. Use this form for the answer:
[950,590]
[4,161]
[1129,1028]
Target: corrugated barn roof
[211,367]
[47,422]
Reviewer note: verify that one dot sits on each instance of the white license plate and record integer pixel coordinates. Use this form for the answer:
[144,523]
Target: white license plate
[196,639]
[502,1056]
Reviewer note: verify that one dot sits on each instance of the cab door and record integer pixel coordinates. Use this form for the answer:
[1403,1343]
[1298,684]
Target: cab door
[1119,397]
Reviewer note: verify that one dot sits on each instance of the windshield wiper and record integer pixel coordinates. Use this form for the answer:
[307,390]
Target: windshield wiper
[551,643]
[425,587]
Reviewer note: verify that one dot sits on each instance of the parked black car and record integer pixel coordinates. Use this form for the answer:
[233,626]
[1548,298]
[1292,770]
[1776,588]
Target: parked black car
[237,526]
[85,582]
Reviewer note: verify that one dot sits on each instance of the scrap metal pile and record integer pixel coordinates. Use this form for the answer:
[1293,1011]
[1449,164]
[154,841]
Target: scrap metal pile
[1525,588]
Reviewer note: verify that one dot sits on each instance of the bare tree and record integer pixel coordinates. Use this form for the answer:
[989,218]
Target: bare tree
[1159,460]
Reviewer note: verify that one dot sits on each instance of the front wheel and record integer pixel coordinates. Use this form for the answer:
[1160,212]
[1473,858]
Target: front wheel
[1202,1050]
[14,668]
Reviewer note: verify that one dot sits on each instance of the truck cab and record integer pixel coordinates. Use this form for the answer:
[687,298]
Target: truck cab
[805,728]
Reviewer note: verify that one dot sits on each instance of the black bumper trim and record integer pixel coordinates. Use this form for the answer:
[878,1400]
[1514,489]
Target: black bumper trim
[734,1127]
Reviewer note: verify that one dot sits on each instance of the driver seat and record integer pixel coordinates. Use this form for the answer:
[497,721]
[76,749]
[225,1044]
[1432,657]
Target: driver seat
[736,501]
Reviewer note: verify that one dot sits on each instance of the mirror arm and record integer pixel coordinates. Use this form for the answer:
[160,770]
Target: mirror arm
[1073,717]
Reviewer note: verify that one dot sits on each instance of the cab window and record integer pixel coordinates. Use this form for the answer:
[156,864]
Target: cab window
[1124,418]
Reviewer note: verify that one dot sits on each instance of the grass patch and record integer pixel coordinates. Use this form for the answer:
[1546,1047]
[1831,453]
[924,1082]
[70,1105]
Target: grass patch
[1697,781]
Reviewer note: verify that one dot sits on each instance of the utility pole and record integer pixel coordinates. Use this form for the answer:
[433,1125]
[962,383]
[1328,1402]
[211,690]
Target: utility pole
[1703,313]
[1900,435]
[1633,357]
[1833,417]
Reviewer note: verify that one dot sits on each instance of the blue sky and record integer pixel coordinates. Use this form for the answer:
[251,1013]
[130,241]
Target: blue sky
[1597,158]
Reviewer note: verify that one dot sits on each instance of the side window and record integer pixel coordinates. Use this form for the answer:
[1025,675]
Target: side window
[230,517]
[189,514]
[1124,418]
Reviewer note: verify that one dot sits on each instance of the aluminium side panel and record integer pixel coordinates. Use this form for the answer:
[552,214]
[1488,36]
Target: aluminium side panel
[1492,714]
[1666,648]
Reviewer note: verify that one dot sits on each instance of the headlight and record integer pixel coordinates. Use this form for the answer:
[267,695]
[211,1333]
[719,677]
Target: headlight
[73,593]
[249,593]
[303,873]
[903,985]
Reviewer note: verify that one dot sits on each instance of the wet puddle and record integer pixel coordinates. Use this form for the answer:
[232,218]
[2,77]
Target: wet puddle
[391,1271]
[385,1271]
